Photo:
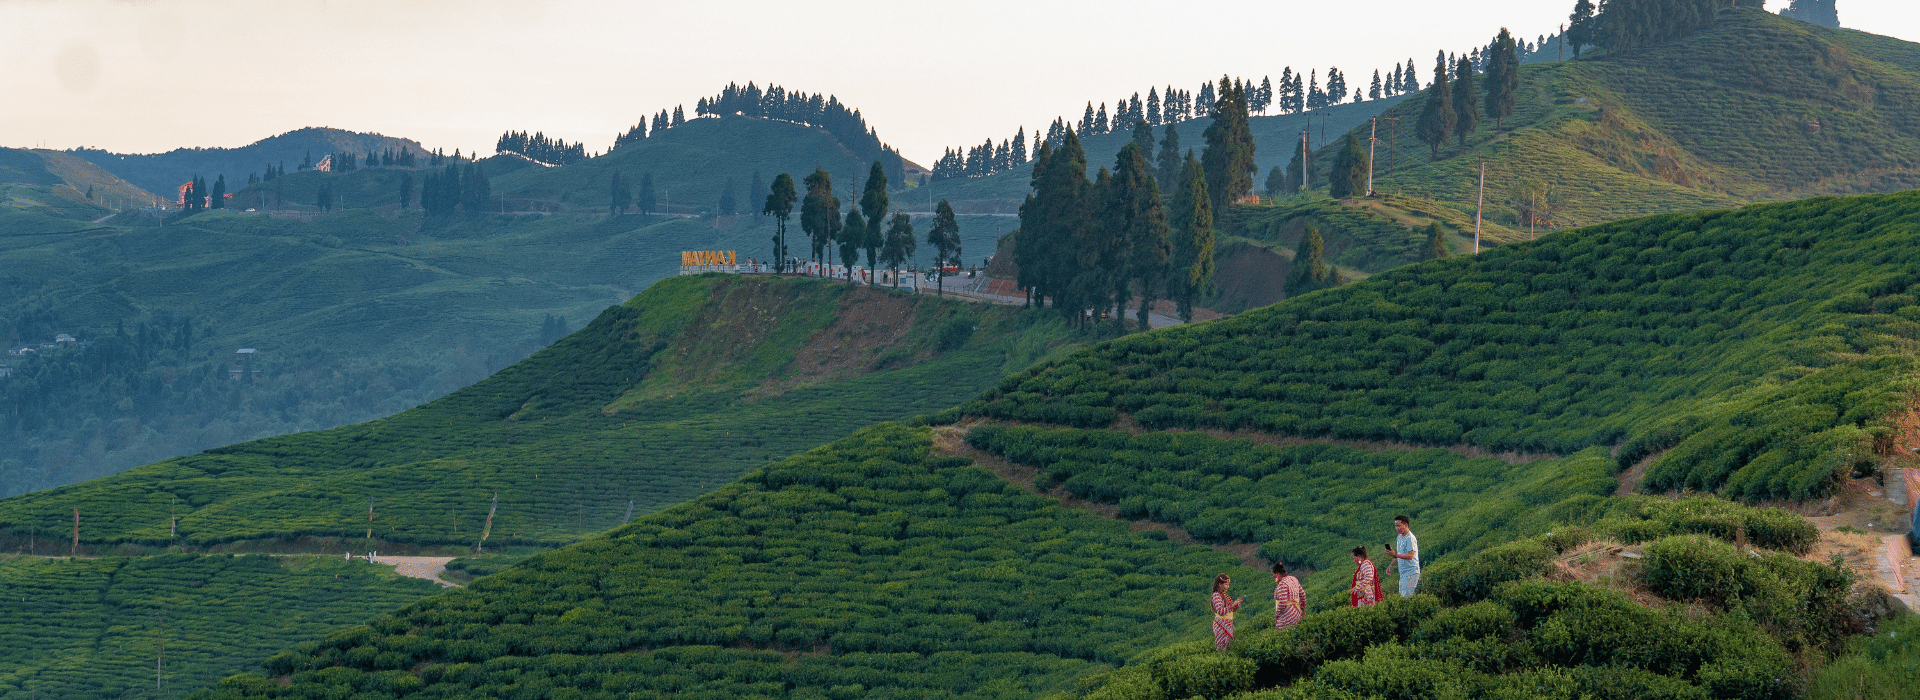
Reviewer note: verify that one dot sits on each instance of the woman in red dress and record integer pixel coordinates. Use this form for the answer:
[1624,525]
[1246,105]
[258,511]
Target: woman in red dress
[1366,583]
[1289,599]
[1223,608]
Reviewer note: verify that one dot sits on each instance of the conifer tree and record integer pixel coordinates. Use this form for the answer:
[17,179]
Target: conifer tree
[1437,115]
[1300,168]
[1315,98]
[406,189]
[1276,182]
[1336,86]
[620,196]
[1503,77]
[219,200]
[728,205]
[1086,121]
[1265,98]
[1203,106]
[1373,91]
[1393,80]
[1191,229]
[1133,209]
[1153,106]
[1143,138]
[874,201]
[1050,220]
[647,198]
[1310,268]
[899,245]
[1349,170]
[1167,164]
[779,205]
[1020,146]
[757,187]
[1411,76]
[944,236]
[1100,120]
[1228,157]
[820,213]
[1466,104]
[1436,242]
[853,234]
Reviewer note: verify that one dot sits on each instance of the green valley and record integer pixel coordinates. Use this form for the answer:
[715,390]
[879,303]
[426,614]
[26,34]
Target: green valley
[678,391]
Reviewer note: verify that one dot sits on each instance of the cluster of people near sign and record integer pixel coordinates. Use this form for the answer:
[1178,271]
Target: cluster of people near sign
[1290,599]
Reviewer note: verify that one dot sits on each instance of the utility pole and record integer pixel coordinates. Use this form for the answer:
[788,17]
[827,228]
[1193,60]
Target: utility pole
[1304,166]
[1479,201]
[1373,134]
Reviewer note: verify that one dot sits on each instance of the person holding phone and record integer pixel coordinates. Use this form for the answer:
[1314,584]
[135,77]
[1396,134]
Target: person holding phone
[1406,555]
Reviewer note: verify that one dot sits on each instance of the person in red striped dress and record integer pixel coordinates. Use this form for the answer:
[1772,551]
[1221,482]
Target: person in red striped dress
[1366,581]
[1223,609]
[1289,599]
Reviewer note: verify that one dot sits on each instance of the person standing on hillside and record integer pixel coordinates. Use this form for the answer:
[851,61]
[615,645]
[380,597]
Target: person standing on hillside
[1223,609]
[1406,555]
[1289,599]
[1366,582]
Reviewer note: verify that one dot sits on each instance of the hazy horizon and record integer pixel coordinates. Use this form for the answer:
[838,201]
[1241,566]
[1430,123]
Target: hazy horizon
[226,73]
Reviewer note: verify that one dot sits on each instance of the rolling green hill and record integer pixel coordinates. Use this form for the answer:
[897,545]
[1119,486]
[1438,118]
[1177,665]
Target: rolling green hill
[1757,352]
[1754,108]
[163,172]
[679,390]
[59,185]
[87,628]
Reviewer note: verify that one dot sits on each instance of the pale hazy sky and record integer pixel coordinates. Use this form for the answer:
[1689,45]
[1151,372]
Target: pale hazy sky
[147,76]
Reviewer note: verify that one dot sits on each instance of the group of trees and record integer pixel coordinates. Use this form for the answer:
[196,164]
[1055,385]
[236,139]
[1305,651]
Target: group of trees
[775,102]
[538,147]
[1821,12]
[1454,101]
[887,242]
[984,159]
[623,196]
[1092,247]
[1624,25]
[196,196]
[463,186]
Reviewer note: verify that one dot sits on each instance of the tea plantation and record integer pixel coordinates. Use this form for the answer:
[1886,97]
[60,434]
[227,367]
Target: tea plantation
[1755,352]
[680,390]
[87,628]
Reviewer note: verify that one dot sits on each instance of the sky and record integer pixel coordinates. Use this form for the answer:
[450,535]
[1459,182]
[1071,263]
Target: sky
[152,75]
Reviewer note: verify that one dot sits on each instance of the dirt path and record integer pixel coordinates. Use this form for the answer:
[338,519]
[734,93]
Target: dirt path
[428,568]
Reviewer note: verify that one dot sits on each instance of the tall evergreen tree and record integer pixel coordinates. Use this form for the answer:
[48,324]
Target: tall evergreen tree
[219,200]
[1436,242]
[1437,114]
[820,213]
[1373,91]
[1086,121]
[1466,103]
[899,245]
[873,201]
[1167,164]
[853,234]
[1349,170]
[1153,107]
[1020,146]
[1310,268]
[1503,77]
[647,198]
[1336,86]
[620,195]
[944,236]
[1133,210]
[1277,182]
[728,204]
[1315,98]
[1203,105]
[1411,76]
[1265,98]
[1228,158]
[1191,230]
[1143,139]
[780,199]
[406,189]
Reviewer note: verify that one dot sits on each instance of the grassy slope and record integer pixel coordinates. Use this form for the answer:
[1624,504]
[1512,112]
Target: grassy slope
[56,184]
[86,628]
[164,172]
[1718,119]
[557,437]
[1764,346]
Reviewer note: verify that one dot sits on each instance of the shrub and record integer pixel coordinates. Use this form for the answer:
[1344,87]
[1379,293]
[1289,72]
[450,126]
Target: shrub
[1209,675]
[1461,582]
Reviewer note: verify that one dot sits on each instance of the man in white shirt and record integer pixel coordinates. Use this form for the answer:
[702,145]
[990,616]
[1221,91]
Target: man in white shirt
[1406,555]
